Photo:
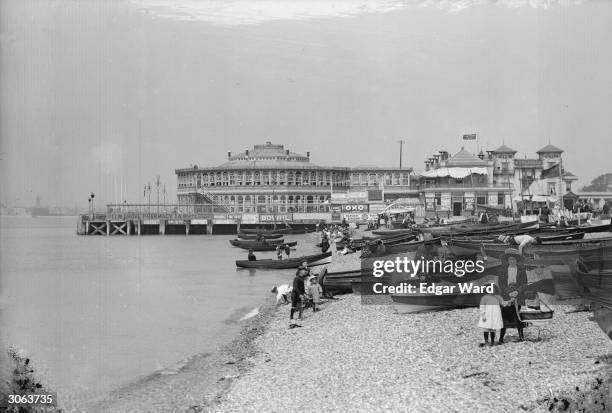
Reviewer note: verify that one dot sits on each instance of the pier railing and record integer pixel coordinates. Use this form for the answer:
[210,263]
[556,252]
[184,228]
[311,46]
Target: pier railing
[202,211]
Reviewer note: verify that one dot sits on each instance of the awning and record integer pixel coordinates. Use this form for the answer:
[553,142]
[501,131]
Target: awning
[457,173]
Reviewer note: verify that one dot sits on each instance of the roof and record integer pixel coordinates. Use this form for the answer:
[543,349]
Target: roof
[464,158]
[504,149]
[550,149]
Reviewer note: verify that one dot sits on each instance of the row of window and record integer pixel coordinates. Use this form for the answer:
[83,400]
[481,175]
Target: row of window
[481,199]
[291,178]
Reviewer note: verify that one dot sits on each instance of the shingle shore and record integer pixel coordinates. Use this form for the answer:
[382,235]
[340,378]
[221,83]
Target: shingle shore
[354,357]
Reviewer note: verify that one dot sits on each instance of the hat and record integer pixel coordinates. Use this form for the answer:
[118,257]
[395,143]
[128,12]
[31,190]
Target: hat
[511,252]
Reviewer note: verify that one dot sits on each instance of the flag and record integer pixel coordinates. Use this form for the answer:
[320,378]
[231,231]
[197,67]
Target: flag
[470,137]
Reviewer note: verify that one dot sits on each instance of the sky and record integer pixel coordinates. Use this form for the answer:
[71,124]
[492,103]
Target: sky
[102,97]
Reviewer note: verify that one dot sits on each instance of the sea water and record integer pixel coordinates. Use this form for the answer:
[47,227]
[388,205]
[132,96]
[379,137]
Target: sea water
[95,313]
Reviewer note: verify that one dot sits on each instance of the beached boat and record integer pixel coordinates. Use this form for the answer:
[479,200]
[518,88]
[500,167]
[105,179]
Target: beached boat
[571,248]
[260,246]
[544,236]
[312,260]
[359,244]
[255,236]
[475,229]
[390,232]
[421,300]
[398,248]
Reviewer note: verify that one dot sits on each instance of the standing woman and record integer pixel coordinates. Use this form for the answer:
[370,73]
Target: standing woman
[512,282]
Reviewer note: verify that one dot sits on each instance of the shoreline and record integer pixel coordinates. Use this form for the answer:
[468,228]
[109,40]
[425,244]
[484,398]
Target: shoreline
[196,385]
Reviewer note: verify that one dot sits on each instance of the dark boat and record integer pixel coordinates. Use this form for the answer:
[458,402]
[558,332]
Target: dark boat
[361,243]
[243,242]
[571,248]
[254,236]
[418,302]
[392,232]
[312,260]
[544,236]
[260,246]
[399,248]
[475,229]
[340,282]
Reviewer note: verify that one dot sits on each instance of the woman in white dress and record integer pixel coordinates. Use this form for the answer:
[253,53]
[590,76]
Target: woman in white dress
[490,315]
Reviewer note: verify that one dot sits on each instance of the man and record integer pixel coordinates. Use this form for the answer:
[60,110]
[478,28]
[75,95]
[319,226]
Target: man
[252,256]
[297,296]
[521,240]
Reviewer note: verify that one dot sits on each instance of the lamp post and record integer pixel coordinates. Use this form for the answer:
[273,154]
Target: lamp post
[89,208]
[91,197]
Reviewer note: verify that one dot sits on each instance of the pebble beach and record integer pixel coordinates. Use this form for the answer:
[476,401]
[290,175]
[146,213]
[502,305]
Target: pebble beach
[355,357]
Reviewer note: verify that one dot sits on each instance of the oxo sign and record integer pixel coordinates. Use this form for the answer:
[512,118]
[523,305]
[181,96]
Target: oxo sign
[355,208]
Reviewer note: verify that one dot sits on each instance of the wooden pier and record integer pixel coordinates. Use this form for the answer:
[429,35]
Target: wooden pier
[195,219]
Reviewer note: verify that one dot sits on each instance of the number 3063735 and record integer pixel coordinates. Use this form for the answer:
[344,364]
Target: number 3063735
[48,399]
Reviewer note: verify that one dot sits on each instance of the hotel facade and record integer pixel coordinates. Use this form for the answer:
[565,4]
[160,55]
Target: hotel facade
[270,179]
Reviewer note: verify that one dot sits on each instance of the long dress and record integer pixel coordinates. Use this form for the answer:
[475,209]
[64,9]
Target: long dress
[490,308]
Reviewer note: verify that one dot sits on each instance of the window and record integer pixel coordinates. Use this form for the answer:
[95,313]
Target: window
[500,198]
[552,188]
[481,199]
[438,198]
[405,179]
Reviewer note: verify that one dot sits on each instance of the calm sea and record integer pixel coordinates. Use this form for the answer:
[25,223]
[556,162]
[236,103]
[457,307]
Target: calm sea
[98,313]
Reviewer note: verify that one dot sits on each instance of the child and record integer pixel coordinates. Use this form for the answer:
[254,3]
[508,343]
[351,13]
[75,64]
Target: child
[491,315]
[279,252]
[315,292]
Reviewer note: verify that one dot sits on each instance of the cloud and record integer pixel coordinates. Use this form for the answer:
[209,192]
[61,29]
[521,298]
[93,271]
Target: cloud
[108,156]
[248,12]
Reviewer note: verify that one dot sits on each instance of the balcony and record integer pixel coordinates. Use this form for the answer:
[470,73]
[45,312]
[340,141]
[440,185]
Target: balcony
[465,185]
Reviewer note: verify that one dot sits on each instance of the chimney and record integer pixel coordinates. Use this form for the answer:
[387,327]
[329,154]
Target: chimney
[229,155]
[246,152]
[287,151]
[308,155]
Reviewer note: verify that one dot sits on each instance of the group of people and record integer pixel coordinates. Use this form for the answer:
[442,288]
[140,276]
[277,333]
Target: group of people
[500,310]
[305,292]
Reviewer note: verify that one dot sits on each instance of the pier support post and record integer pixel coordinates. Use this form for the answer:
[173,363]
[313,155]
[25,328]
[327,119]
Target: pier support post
[162,227]
[86,227]
[139,227]
[129,227]
[209,226]
[108,224]
[187,225]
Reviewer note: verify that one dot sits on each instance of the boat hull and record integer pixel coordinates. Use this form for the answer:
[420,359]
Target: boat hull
[312,260]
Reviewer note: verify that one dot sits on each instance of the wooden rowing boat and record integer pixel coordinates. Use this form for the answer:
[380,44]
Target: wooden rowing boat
[399,248]
[254,236]
[571,248]
[260,246]
[312,260]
